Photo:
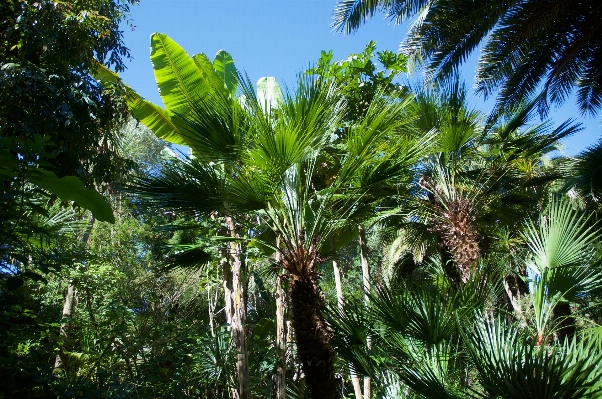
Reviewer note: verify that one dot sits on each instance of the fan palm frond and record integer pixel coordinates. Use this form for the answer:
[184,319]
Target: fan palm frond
[511,365]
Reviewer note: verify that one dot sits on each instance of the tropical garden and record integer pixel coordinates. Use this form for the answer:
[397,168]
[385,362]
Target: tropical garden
[352,235]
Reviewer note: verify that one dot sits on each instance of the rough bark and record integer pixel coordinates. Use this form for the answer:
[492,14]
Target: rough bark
[280,378]
[313,339]
[366,289]
[239,316]
[456,228]
[515,289]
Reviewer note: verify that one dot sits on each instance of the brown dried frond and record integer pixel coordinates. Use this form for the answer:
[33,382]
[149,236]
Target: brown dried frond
[300,258]
[456,227]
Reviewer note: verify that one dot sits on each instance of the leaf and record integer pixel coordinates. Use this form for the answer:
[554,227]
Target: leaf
[35,277]
[224,66]
[213,82]
[187,257]
[70,188]
[178,78]
[162,122]
[165,124]
[263,328]
[269,94]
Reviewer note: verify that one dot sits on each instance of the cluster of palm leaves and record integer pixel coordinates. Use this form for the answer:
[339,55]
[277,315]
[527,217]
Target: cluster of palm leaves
[291,179]
[528,46]
[443,340]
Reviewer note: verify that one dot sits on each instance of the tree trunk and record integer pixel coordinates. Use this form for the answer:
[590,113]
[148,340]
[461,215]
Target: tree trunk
[355,381]
[448,264]
[212,303]
[239,319]
[281,334]
[515,289]
[226,269]
[366,288]
[60,361]
[280,378]
[313,340]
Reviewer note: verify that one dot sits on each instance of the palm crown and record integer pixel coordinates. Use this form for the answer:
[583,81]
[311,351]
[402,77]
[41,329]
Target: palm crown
[554,45]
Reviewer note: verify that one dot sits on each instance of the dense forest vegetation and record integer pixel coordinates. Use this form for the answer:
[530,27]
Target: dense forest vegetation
[348,237]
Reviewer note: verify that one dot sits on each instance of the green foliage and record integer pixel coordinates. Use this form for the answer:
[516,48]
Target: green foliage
[528,46]
[58,116]
[58,131]
[563,259]
[511,365]
[290,169]
[359,77]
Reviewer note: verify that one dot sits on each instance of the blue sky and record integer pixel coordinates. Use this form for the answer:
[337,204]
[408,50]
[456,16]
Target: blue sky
[278,38]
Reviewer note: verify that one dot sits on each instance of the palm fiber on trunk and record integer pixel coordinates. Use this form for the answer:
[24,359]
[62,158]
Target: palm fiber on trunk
[313,340]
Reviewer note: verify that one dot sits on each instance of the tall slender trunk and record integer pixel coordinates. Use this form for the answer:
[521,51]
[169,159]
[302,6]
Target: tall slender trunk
[280,378]
[226,268]
[60,361]
[239,319]
[366,288]
[355,381]
[281,334]
[515,289]
[212,302]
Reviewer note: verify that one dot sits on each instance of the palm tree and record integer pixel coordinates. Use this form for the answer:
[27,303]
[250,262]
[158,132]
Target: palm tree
[263,153]
[361,82]
[202,113]
[318,193]
[449,342]
[415,330]
[479,181]
[562,258]
[582,177]
[554,45]
[510,364]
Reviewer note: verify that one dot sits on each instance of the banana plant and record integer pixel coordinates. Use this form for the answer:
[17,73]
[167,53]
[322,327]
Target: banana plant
[67,188]
[261,153]
[200,111]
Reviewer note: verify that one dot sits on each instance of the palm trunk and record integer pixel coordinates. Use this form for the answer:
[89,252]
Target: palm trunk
[355,381]
[212,303]
[366,288]
[226,269]
[313,340]
[281,334]
[280,378]
[239,319]
[448,264]
[515,290]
